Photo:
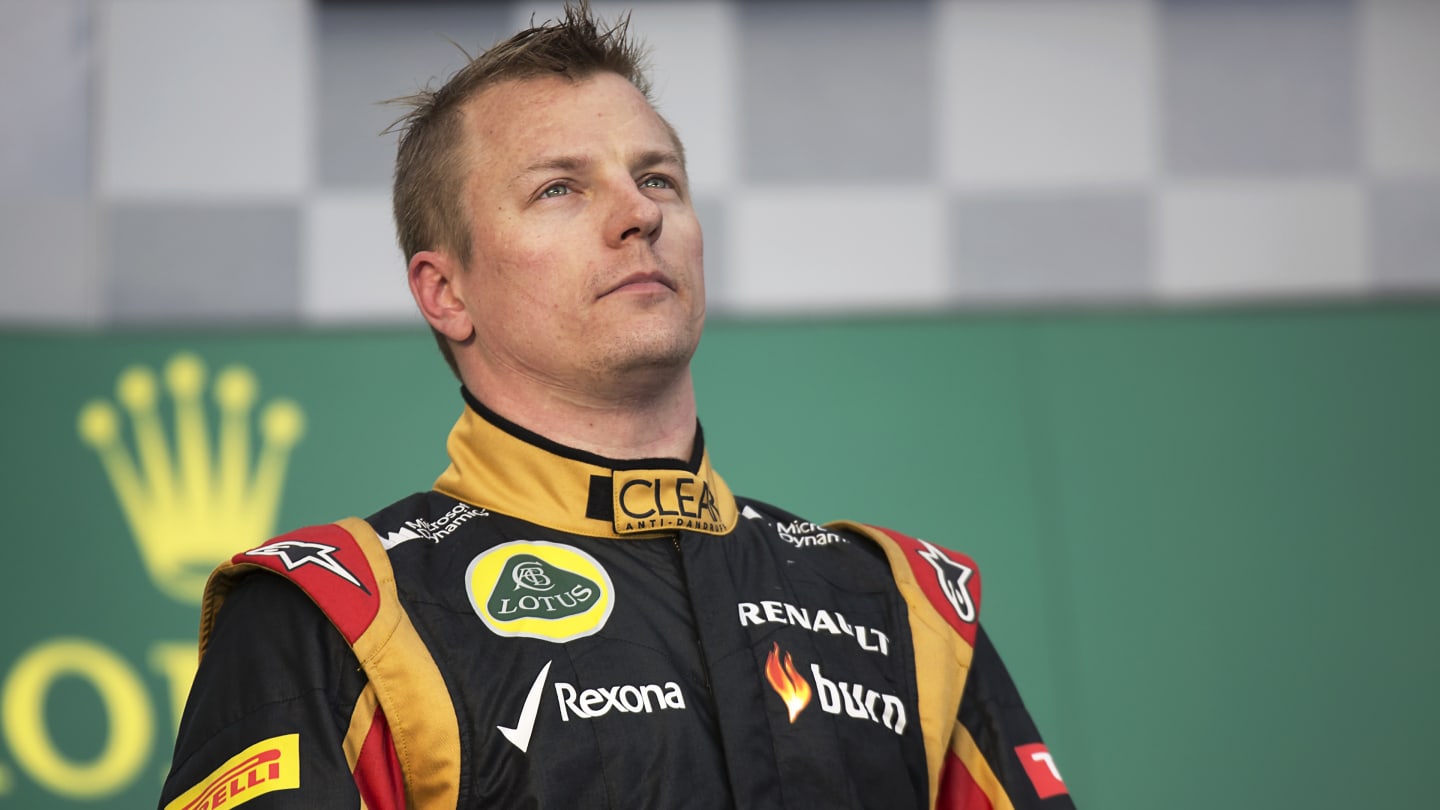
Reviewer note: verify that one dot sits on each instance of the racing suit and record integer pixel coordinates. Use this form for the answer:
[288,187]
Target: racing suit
[548,628]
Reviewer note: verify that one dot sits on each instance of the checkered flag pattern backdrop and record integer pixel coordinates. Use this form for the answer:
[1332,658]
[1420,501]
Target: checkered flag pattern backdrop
[219,161]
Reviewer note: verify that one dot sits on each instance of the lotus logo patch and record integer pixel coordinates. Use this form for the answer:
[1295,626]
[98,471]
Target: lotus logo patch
[535,589]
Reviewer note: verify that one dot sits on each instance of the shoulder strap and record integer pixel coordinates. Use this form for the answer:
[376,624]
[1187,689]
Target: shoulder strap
[346,572]
[941,588]
[949,580]
[325,561]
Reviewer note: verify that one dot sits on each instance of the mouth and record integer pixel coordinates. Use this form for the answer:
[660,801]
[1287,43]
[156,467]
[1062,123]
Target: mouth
[653,281]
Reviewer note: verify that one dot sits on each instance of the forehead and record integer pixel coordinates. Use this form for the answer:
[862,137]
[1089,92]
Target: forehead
[549,113]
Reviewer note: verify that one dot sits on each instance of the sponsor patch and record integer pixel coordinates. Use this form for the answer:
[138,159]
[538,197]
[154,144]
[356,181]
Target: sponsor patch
[295,553]
[954,580]
[835,697]
[790,685]
[626,699]
[519,734]
[817,620]
[433,530]
[331,567]
[948,579]
[804,534]
[264,767]
[1040,767]
[588,704]
[665,500]
[536,589]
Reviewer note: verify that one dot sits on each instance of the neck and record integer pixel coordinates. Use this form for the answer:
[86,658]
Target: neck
[647,422]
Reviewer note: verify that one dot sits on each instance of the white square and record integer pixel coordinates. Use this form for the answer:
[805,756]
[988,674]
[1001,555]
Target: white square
[1239,239]
[1047,94]
[204,98]
[352,270]
[836,250]
[1402,85]
[691,51]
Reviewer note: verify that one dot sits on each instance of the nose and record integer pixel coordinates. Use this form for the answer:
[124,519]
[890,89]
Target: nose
[634,217]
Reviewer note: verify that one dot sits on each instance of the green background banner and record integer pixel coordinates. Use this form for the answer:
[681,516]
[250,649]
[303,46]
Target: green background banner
[1208,538]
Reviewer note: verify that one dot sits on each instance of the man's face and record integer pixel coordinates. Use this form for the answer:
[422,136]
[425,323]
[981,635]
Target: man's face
[586,254]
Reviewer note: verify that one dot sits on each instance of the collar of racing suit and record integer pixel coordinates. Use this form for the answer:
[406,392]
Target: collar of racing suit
[498,465]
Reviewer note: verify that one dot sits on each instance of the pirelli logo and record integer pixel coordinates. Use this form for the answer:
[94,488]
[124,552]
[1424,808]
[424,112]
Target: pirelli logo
[264,767]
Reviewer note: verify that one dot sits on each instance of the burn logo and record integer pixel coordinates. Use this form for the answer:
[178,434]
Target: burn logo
[791,686]
[836,697]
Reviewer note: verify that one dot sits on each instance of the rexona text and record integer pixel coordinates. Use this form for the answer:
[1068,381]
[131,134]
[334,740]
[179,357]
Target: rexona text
[628,699]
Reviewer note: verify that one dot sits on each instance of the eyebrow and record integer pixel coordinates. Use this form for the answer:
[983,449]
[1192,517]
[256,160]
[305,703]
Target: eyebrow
[647,159]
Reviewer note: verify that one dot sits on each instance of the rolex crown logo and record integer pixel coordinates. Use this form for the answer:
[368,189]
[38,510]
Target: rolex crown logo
[195,498]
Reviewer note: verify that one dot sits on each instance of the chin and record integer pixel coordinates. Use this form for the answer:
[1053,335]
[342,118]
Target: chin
[656,351]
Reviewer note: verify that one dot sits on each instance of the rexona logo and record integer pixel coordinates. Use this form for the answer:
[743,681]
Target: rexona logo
[264,767]
[536,589]
[626,699]
[196,464]
[193,498]
[836,697]
[588,704]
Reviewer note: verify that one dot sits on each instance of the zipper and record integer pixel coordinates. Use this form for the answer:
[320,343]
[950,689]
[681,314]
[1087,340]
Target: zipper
[694,616]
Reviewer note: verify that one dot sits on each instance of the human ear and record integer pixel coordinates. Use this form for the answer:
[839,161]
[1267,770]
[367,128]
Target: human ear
[435,277]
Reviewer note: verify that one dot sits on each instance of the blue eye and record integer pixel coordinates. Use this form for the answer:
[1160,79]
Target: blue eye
[557,190]
[654,181]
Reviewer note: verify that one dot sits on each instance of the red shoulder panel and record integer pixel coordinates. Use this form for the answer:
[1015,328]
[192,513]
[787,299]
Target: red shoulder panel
[949,579]
[327,563]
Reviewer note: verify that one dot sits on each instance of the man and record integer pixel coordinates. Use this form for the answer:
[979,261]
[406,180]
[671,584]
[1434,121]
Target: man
[581,614]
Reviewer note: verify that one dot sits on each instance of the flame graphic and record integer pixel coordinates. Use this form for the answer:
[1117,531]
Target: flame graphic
[787,683]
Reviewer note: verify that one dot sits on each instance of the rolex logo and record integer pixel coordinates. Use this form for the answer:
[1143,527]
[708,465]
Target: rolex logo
[196,496]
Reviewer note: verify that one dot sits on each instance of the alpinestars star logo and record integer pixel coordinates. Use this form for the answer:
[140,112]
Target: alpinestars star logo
[295,553]
[953,578]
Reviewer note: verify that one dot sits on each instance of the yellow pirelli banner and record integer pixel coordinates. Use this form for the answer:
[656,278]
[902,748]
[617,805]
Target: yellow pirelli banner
[265,767]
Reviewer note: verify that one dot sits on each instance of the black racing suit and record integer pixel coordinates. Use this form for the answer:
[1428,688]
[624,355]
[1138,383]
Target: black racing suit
[551,629]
